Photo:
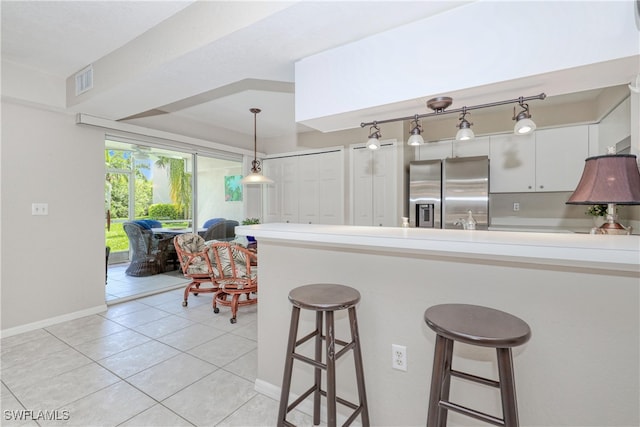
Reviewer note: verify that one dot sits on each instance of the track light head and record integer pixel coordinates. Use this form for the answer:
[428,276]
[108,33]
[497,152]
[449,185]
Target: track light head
[524,124]
[374,137]
[416,138]
[464,133]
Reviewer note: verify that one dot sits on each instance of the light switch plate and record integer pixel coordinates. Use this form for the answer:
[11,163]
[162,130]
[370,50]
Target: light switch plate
[39,209]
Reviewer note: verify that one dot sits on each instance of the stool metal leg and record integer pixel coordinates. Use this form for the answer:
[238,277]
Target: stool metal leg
[331,370]
[507,387]
[288,366]
[317,371]
[440,382]
[437,378]
[357,357]
[446,383]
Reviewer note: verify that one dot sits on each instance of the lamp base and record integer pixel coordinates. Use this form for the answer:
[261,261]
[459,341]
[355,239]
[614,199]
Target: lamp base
[612,227]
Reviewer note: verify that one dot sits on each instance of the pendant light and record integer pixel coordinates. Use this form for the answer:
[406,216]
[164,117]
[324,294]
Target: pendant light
[255,177]
[464,133]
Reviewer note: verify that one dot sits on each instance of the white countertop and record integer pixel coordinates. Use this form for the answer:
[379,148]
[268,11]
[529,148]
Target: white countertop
[617,253]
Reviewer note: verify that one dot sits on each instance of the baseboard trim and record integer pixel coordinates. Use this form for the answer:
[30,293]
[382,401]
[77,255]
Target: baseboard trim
[52,321]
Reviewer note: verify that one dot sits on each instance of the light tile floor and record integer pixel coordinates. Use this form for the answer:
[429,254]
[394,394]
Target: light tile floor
[145,362]
[121,287]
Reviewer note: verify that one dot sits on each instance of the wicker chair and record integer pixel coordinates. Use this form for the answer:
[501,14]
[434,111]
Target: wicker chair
[216,231]
[233,274]
[222,230]
[148,254]
[196,265]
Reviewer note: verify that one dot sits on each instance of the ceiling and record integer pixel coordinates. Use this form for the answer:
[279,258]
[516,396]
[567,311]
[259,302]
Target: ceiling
[210,85]
[195,67]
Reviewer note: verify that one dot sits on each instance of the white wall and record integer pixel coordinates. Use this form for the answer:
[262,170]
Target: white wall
[475,45]
[52,266]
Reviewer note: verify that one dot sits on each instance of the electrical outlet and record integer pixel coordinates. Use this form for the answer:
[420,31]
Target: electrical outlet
[399,357]
[516,207]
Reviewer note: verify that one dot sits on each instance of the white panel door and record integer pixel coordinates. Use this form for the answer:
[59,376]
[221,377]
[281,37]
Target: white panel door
[272,168]
[362,186]
[330,187]
[308,191]
[289,185]
[385,187]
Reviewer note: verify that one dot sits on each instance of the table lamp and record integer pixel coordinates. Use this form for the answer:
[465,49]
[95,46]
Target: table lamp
[610,179]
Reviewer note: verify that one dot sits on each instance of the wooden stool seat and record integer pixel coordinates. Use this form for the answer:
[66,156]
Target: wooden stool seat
[324,299]
[477,325]
[481,326]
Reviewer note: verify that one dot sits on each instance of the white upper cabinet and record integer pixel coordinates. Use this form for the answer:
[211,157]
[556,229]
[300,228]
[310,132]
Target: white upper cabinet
[512,163]
[547,160]
[375,185]
[560,155]
[435,150]
[475,147]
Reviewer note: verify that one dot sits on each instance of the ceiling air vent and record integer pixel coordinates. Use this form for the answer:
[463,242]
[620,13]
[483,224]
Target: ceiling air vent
[84,80]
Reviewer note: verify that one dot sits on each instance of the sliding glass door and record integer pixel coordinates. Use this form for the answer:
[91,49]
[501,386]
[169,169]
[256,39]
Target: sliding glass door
[177,188]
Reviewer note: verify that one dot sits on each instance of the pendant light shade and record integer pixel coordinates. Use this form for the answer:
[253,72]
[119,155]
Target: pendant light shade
[373,143]
[524,124]
[255,177]
[464,133]
[416,138]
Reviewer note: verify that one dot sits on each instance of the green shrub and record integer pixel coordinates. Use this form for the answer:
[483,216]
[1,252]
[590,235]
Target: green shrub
[164,211]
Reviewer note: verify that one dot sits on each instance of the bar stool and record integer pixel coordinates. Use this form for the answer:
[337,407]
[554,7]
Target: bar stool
[323,298]
[479,326]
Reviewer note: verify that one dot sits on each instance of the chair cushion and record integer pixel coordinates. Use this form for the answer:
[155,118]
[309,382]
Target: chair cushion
[208,223]
[148,224]
[192,243]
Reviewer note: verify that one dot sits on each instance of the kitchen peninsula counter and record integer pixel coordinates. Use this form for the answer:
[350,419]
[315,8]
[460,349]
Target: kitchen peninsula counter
[579,293]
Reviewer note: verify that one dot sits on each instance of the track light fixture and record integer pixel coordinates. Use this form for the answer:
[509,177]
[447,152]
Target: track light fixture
[464,133]
[524,124]
[415,138]
[439,105]
[374,137]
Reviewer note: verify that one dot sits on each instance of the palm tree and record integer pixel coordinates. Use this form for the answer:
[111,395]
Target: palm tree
[179,183]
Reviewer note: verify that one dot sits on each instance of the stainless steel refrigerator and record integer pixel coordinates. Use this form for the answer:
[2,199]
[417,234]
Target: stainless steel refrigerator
[441,192]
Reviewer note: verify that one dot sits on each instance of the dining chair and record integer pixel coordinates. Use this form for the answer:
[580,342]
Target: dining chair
[235,274]
[196,265]
[148,254]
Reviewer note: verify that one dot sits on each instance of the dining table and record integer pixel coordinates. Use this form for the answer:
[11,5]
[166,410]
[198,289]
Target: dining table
[174,231]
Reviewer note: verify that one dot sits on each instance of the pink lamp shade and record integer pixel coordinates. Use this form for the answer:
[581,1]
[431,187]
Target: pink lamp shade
[608,179]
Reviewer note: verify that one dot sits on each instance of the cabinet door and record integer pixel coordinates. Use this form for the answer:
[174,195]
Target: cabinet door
[512,163]
[362,188]
[385,206]
[330,187]
[560,155]
[475,147]
[289,185]
[435,150]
